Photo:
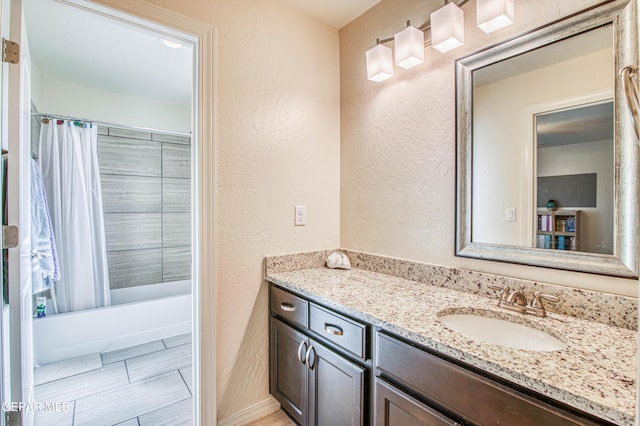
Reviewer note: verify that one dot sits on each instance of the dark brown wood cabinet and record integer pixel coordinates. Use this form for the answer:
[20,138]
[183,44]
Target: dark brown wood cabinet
[466,396]
[289,377]
[315,384]
[393,407]
[324,372]
[336,388]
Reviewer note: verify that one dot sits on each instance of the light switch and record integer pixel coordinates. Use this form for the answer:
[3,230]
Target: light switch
[511,214]
[300,215]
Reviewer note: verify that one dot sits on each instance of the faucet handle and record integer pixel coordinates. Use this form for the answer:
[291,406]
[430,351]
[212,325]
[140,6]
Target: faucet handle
[505,291]
[538,297]
[547,297]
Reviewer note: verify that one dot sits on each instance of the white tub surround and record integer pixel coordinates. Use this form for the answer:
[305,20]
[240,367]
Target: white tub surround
[136,319]
[596,372]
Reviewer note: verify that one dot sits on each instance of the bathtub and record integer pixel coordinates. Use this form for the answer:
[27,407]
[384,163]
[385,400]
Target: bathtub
[133,318]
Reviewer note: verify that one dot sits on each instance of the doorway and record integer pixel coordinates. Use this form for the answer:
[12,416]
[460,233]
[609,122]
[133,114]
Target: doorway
[113,127]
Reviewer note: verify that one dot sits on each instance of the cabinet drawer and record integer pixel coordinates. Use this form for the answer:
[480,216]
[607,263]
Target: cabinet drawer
[477,399]
[335,328]
[290,307]
[394,407]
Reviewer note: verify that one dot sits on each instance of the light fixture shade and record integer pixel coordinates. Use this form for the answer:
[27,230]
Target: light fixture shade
[409,45]
[379,63]
[491,15]
[447,28]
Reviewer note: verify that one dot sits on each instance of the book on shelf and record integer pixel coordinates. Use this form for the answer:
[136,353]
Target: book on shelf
[544,223]
[561,242]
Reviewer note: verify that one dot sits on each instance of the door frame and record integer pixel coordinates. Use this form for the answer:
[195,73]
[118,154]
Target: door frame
[204,267]
[530,150]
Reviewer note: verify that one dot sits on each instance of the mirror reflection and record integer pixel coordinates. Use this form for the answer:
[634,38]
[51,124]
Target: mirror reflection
[542,179]
[543,147]
[575,179]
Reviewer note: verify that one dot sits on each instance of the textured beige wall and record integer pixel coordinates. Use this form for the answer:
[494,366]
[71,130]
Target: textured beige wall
[398,144]
[278,137]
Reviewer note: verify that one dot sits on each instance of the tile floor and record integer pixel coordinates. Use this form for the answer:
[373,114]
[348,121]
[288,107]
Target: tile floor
[148,384]
[279,418]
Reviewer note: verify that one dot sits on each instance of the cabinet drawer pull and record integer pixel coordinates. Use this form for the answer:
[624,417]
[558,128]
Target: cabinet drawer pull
[333,329]
[287,307]
[303,344]
[310,361]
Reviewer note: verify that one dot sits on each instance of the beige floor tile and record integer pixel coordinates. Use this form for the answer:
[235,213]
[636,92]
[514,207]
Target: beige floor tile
[62,417]
[69,367]
[132,351]
[68,389]
[155,363]
[117,405]
[178,414]
[187,375]
[180,339]
[279,418]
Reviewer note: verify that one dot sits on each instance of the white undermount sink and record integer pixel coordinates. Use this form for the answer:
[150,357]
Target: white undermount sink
[500,332]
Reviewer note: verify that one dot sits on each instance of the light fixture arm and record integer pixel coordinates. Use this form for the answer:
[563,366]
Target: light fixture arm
[446,32]
[424,27]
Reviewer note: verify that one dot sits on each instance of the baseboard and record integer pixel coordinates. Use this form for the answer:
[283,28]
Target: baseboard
[249,414]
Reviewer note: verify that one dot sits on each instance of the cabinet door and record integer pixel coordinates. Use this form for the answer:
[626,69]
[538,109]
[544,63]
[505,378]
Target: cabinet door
[289,378]
[336,389]
[394,408]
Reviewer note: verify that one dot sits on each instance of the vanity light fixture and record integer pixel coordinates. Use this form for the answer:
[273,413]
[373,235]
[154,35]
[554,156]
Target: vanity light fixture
[447,33]
[491,15]
[447,28]
[379,63]
[409,45]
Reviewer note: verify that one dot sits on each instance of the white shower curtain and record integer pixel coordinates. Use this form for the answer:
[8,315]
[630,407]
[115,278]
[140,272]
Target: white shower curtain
[68,156]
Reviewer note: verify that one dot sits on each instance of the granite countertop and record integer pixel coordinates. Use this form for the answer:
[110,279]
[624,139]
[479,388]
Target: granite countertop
[596,372]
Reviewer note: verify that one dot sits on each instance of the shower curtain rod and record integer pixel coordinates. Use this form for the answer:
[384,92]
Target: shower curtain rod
[106,124]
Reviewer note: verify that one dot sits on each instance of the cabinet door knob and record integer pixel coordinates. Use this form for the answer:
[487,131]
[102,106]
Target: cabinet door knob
[333,329]
[310,361]
[303,344]
[287,307]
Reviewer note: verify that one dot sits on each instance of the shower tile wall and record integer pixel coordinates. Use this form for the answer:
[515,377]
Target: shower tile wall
[146,190]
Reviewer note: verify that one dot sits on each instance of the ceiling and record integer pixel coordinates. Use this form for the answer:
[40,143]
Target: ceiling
[71,45]
[576,125]
[336,13]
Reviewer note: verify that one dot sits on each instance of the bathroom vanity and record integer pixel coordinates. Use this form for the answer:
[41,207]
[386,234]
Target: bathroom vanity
[360,347]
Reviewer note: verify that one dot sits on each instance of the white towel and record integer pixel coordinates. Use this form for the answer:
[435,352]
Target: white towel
[44,260]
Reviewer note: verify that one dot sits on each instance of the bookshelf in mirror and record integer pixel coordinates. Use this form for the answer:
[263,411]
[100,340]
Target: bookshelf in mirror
[558,230]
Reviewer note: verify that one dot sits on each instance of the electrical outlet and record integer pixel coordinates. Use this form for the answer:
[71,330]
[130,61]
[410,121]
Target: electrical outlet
[300,216]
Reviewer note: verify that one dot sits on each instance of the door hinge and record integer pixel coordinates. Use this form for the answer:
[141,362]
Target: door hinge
[10,51]
[12,418]
[10,236]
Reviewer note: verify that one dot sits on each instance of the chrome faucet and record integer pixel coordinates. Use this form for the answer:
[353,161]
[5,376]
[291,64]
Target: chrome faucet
[516,301]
